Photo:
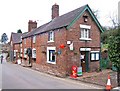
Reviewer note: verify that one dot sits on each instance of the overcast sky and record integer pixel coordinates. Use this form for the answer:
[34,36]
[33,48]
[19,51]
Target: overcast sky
[15,14]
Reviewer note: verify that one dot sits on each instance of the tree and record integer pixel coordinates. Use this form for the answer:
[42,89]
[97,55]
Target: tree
[106,34]
[4,38]
[114,20]
[19,31]
[114,52]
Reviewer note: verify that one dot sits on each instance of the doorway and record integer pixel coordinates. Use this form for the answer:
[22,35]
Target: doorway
[85,61]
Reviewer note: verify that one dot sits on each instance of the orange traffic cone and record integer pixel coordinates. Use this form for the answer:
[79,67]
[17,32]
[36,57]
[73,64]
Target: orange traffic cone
[108,86]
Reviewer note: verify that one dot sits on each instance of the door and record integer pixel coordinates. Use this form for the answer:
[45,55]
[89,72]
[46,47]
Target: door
[85,61]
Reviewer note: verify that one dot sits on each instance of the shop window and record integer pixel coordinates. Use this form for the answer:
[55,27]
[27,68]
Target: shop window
[95,56]
[51,57]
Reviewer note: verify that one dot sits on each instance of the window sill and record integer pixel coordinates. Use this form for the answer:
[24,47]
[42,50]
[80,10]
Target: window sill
[33,57]
[94,60]
[85,39]
[50,41]
[51,62]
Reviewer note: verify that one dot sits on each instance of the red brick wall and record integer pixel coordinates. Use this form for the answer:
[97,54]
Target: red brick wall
[73,34]
[41,58]
[17,47]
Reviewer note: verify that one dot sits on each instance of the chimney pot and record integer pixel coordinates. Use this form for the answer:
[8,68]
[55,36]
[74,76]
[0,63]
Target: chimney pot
[55,11]
[31,25]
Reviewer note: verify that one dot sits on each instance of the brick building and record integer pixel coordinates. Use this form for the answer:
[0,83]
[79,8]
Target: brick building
[67,40]
[16,46]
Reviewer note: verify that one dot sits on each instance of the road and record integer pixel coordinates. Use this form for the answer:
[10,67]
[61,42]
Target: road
[17,77]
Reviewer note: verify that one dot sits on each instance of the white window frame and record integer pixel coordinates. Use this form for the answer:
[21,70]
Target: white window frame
[25,55]
[21,52]
[21,38]
[95,55]
[33,53]
[48,49]
[21,45]
[15,52]
[25,41]
[51,36]
[34,39]
[85,32]
[11,43]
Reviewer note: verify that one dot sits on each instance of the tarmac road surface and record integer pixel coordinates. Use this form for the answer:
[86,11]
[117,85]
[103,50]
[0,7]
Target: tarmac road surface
[17,77]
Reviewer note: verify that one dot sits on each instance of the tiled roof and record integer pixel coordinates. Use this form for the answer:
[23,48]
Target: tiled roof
[35,31]
[16,37]
[63,21]
[58,22]
[24,34]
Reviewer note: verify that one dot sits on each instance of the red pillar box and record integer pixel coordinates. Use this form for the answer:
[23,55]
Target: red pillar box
[74,72]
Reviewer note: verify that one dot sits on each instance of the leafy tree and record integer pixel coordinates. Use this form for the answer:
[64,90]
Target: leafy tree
[114,52]
[4,38]
[106,34]
[19,31]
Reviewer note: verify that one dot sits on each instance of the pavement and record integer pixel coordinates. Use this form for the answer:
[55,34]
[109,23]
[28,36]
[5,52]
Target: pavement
[99,78]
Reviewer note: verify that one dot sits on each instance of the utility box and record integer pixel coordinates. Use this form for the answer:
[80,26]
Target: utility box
[79,71]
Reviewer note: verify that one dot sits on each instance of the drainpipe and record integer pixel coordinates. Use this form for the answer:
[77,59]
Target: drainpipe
[30,58]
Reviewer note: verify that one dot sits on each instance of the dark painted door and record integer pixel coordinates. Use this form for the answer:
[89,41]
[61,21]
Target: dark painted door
[84,61]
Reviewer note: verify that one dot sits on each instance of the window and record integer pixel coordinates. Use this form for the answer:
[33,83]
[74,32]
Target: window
[21,45]
[85,32]
[95,56]
[33,53]
[15,53]
[51,58]
[25,52]
[24,41]
[34,39]
[51,36]
[21,38]
[21,52]
[11,43]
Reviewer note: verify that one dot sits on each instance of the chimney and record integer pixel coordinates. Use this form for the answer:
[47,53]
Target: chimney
[55,11]
[31,25]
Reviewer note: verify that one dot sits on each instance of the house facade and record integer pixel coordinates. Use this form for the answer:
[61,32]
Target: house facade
[67,40]
[16,46]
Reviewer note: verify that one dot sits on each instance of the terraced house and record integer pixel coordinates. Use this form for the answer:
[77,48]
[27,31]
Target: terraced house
[15,42]
[67,40]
